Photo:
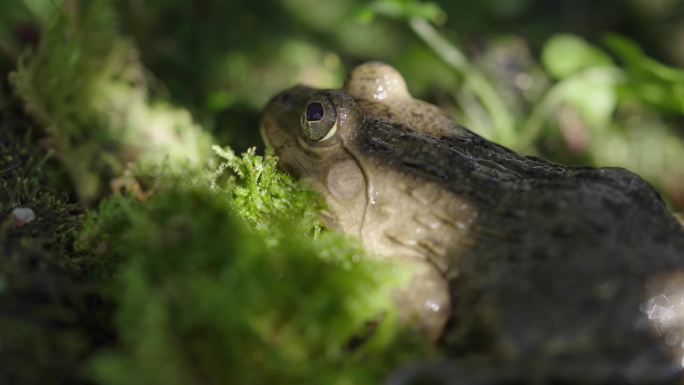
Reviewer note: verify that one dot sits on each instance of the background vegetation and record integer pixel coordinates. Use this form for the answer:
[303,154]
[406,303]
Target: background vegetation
[155,258]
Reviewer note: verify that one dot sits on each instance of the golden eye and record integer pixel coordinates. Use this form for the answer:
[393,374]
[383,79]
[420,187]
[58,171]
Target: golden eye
[319,120]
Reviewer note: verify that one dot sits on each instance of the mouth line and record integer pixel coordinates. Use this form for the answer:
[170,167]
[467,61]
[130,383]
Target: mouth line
[264,137]
[369,192]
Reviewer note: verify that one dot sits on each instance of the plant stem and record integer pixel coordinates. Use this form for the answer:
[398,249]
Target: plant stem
[475,81]
[450,54]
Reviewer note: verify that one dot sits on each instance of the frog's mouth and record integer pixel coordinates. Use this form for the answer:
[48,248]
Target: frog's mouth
[269,131]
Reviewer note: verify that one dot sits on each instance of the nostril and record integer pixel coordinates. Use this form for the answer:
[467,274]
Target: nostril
[285,100]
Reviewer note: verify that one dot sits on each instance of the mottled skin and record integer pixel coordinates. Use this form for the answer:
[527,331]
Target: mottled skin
[546,273]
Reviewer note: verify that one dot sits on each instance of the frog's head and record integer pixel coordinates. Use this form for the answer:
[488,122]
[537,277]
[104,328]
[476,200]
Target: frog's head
[309,130]
[314,131]
[324,138]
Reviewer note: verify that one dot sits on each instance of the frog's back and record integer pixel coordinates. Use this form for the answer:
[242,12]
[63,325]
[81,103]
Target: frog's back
[567,263]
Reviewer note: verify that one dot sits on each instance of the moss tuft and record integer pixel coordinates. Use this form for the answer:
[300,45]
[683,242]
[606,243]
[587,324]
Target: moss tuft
[261,193]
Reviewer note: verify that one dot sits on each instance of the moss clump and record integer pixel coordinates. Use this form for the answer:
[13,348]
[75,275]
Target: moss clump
[261,193]
[204,299]
[85,85]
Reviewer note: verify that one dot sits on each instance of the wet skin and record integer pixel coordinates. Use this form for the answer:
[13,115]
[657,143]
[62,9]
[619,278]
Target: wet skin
[526,271]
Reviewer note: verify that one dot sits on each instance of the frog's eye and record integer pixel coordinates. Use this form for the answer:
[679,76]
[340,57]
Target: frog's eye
[319,120]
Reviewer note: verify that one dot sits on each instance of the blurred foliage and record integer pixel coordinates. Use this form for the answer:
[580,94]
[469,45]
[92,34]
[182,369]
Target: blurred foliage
[215,263]
[621,115]
[85,86]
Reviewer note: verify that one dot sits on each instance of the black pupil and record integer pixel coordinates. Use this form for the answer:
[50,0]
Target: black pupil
[314,112]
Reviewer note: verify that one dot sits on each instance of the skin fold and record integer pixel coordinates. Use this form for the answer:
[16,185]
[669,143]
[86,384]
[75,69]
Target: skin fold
[524,270]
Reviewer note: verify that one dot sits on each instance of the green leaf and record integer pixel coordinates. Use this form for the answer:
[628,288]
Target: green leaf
[648,80]
[634,57]
[594,98]
[564,55]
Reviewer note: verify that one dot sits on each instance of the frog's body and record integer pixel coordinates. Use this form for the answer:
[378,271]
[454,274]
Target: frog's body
[547,273]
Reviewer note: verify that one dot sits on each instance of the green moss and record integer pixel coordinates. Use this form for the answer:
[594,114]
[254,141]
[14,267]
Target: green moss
[205,299]
[85,85]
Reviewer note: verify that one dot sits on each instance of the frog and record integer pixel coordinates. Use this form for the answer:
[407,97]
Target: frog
[523,270]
